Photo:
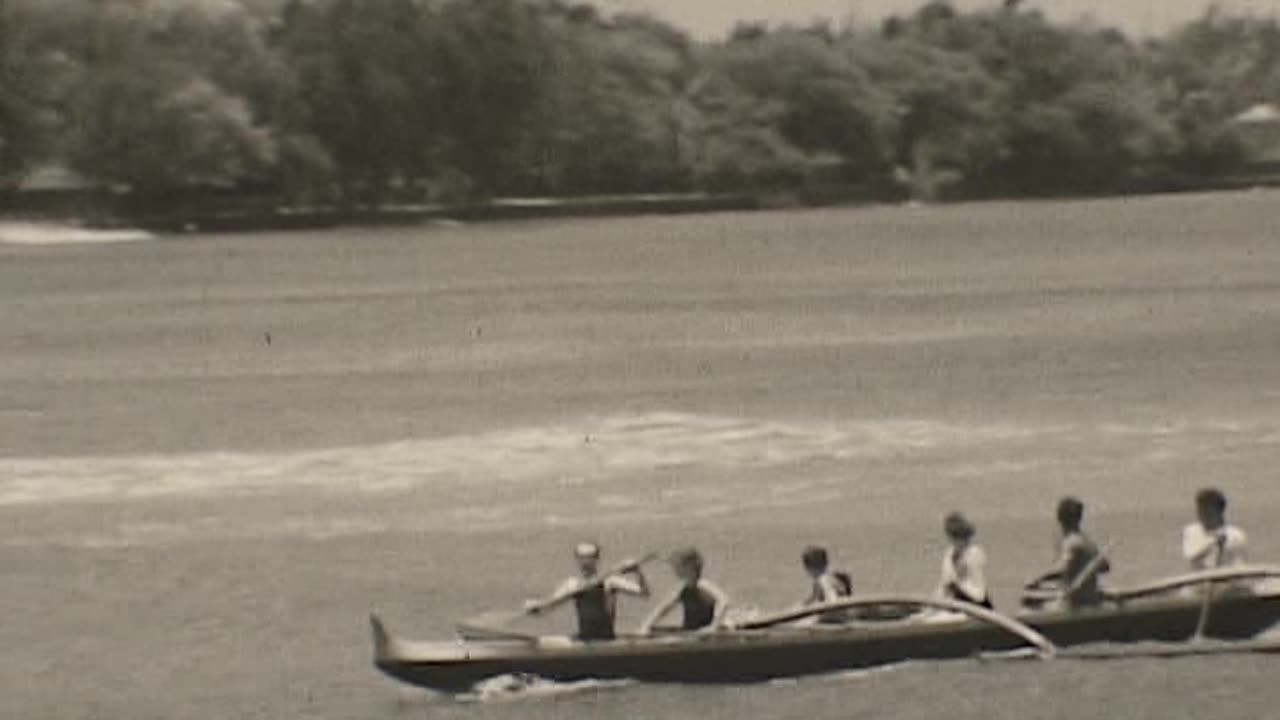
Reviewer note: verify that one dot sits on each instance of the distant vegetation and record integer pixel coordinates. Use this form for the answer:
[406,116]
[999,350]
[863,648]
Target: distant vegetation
[363,102]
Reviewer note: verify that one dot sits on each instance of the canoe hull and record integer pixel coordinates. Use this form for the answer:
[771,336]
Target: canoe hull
[752,656]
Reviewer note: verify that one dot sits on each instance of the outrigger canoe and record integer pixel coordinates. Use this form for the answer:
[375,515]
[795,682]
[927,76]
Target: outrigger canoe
[773,647]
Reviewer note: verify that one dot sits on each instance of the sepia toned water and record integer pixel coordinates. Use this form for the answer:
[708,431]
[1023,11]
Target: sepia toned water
[218,454]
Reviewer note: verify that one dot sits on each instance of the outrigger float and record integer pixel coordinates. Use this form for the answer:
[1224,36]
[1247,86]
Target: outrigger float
[1221,613]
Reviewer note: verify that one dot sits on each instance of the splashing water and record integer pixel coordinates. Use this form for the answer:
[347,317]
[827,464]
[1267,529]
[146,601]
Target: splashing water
[521,688]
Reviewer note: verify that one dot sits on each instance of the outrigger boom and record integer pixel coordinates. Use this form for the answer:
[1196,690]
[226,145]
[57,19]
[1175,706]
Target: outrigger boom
[1139,621]
[975,612]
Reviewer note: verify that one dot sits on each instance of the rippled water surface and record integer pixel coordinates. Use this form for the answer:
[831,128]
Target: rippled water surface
[218,454]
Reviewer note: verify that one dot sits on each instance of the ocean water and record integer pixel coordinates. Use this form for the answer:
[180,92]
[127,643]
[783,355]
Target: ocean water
[218,454]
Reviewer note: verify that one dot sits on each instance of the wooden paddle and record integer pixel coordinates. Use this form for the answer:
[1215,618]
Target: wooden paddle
[1203,622]
[1090,570]
[1050,594]
[489,625]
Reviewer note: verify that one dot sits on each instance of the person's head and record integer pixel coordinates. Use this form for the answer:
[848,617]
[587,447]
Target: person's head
[958,529]
[815,560]
[1211,507]
[1070,513]
[588,556]
[687,564]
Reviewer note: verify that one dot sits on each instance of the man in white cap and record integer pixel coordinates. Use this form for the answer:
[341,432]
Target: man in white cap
[594,597]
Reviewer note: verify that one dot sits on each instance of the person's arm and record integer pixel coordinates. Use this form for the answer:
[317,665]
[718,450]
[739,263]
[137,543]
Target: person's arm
[973,581]
[1052,576]
[1198,545]
[946,578]
[1104,565]
[1060,566]
[659,612]
[1239,543]
[641,582]
[1070,547]
[721,599]
[829,589]
[638,586]
[563,594]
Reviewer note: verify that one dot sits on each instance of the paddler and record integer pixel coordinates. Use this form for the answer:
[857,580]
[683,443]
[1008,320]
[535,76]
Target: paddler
[1080,561]
[1210,542]
[825,586]
[594,597]
[703,603]
[964,565]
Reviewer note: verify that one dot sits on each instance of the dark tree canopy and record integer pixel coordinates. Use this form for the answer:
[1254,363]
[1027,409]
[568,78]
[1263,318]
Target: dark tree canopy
[372,101]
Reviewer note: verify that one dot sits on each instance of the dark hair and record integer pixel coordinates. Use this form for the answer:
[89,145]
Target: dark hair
[958,526]
[687,557]
[1212,499]
[1070,511]
[815,557]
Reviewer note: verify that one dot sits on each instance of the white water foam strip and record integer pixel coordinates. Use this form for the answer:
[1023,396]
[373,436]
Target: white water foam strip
[149,534]
[18,233]
[597,470]
[588,450]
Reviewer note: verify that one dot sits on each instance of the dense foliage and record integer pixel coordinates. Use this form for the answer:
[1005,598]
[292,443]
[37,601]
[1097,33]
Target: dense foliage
[365,101]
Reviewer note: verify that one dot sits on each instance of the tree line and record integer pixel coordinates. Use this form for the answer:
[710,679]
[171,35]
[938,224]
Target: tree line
[372,101]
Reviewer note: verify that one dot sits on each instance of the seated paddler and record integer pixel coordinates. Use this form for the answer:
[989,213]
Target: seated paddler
[594,596]
[1211,542]
[1074,579]
[703,603]
[825,586]
[964,564]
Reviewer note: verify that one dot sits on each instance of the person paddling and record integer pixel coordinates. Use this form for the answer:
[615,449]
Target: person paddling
[826,586]
[964,565]
[703,603]
[594,597]
[1079,563]
[1210,542]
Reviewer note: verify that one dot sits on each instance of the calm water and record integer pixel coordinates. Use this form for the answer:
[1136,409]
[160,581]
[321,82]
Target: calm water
[220,453]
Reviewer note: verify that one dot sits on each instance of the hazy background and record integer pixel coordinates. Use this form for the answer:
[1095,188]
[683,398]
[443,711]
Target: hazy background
[712,18]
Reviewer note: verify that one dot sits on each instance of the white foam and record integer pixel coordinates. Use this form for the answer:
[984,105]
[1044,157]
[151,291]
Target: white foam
[39,233]
[523,688]
[142,534]
[578,453]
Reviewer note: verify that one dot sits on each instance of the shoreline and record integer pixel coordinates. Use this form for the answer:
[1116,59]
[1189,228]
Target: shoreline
[499,210]
[111,213]
[637,205]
